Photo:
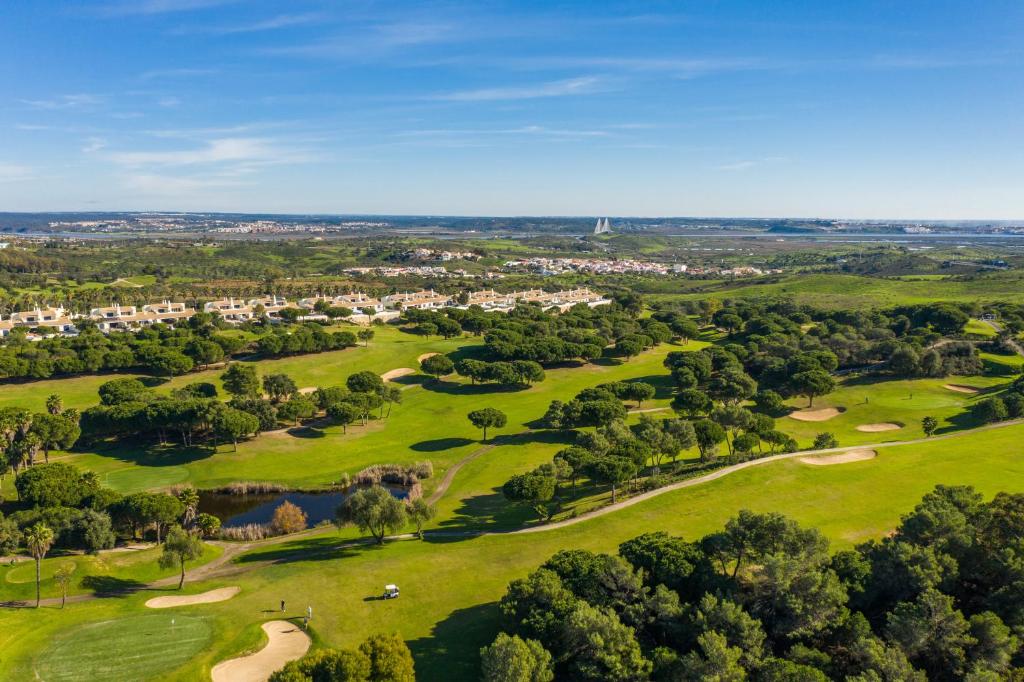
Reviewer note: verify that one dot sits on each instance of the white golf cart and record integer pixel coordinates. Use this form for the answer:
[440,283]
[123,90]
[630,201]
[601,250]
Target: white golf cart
[390,592]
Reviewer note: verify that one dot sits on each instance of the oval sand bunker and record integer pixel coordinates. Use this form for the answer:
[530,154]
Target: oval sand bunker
[822,415]
[876,428]
[395,373]
[211,597]
[840,458]
[286,642]
[960,388]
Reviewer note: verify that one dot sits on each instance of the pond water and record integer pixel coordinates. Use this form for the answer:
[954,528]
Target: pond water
[239,510]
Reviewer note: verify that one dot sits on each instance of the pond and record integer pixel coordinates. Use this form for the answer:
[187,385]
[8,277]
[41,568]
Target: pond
[239,510]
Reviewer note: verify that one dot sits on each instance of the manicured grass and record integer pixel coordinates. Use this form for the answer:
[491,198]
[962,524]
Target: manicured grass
[107,571]
[136,648]
[449,585]
[430,424]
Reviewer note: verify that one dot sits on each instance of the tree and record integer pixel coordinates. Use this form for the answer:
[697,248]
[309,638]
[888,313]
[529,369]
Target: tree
[343,413]
[326,665]
[241,380]
[825,441]
[990,410]
[119,391]
[513,659]
[929,425]
[390,658]
[535,488]
[278,386]
[716,660]
[231,424]
[373,510]
[180,547]
[612,471]
[38,540]
[420,512]
[10,536]
[53,485]
[708,435]
[207,524]
[691,402]
[599,647]
[298,407]
[288,518]
[731,385]
[769,401]
[638,391]
[576,459]
[62,576]
[54,404]
[364,382]
[437,366]
[365,335]
[487,417]
[54,431]
[813,383]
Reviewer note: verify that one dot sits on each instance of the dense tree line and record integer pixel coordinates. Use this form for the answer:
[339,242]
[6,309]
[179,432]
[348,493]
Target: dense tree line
[763,599]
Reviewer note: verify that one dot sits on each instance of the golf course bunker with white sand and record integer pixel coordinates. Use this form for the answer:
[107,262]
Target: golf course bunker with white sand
[425,356]
[395,373]
[286,642]
[840,457]
[820,415]
[879,427]
[961,388]
[211,597]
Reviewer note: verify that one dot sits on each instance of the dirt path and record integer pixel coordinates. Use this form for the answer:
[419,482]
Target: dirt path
[449,475]
[285,642]
[1011,342]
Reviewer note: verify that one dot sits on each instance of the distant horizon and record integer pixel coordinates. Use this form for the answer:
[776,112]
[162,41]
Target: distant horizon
[523,216]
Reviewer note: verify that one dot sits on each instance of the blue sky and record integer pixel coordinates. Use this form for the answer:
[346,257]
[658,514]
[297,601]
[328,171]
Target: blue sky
[849,109]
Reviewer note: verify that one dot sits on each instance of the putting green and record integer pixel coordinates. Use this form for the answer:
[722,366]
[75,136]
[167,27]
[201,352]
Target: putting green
[134,648]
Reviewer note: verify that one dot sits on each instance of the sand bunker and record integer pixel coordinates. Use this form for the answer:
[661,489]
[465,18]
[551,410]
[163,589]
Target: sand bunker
[306,390]
[960,388]
[840,458]
[425,356]
[213,596]
[287,642]
[395,373]
[883,426]
[822,415]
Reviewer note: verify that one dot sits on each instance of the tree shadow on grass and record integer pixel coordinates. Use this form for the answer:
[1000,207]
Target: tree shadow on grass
[320,548]
[959,422]
[453,388]
[439,444]
[451,650]
[664,387]
[153,455]
[110,586]
[305,432]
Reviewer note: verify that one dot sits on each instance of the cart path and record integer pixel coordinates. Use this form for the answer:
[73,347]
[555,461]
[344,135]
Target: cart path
[1011,342]
[222,566]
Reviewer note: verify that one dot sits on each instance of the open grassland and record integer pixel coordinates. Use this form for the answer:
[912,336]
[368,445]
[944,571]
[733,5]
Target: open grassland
[449,584]
[850,291]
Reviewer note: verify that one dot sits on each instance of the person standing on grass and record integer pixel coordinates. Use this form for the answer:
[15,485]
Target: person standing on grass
[282,606]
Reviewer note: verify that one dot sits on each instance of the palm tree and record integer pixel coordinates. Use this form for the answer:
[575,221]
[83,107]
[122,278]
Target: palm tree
[38,539]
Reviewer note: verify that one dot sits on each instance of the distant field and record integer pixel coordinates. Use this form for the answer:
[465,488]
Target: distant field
[850,291]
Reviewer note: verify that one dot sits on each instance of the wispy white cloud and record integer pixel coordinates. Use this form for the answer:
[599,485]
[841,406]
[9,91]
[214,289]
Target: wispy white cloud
[154,74]
[168,101]
[242,152]
[530,130]
[93,144]
[271,24]
[751,163]
[373,41]
[585,85]
[144,7]
[74,101]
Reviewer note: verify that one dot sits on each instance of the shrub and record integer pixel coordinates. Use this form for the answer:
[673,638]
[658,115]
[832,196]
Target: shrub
[288,518]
